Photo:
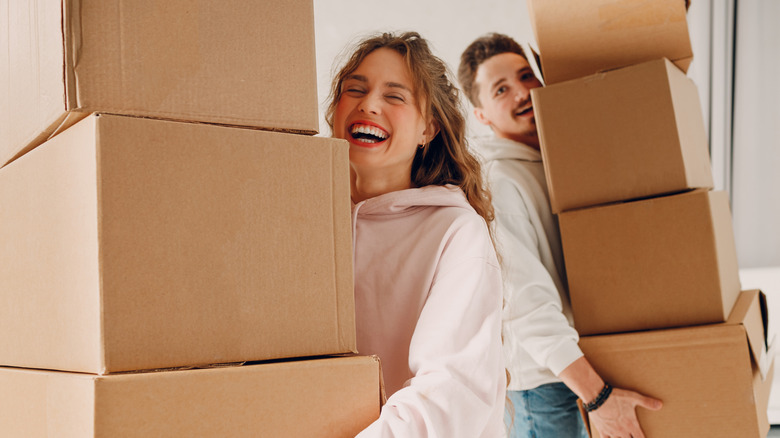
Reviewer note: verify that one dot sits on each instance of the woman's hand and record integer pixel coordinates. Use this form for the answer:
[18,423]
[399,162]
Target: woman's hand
[616,418]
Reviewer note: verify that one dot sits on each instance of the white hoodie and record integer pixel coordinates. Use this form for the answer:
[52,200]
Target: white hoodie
[539,338]
[428,303]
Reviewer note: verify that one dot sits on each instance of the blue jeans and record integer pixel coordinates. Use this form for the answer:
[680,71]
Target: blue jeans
[548,411]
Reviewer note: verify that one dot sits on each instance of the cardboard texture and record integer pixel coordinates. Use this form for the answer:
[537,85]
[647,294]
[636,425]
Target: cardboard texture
[656,263]
[627,134]
[577,38]
[229,62]
[329,397]
[707,376]
[132,244]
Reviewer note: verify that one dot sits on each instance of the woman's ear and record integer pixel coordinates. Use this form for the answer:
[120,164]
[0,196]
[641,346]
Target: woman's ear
[430,132]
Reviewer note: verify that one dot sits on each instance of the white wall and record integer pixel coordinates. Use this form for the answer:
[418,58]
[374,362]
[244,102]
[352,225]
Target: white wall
[756,142]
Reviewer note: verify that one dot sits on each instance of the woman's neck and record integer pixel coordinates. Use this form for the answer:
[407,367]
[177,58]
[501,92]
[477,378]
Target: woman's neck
[369,186]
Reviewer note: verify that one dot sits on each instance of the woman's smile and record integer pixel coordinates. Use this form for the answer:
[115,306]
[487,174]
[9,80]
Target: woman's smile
[367,134]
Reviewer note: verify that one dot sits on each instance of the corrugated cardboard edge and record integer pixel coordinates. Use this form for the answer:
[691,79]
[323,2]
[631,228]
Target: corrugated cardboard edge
[71,30]
[725,248]
[688,113]
[382,392]
[315,120]
[762,391]
[554,204]
[342,239]
[104,366]
[751,312]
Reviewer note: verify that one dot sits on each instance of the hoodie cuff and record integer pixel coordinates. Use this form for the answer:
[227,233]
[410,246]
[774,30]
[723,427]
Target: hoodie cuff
[563,356]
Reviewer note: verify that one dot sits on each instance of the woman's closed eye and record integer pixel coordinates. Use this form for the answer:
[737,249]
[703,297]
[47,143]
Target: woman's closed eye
[395,98]
[354,91]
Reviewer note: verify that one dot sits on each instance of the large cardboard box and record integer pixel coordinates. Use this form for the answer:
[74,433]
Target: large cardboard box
[626,134]
[230,62]
[656,263]
[131,244]
[714,380]
[329,397]
[577,38]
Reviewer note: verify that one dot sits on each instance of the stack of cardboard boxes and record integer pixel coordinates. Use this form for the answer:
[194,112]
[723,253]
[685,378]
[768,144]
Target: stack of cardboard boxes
[648,244]
[155,235]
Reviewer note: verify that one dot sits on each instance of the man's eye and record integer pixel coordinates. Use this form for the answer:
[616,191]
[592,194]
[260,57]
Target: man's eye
[501,90]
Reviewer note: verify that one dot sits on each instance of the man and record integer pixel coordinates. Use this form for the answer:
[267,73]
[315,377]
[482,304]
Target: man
[548,371]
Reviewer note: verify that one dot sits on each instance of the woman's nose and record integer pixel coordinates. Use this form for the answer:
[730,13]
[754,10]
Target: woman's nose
[369,104]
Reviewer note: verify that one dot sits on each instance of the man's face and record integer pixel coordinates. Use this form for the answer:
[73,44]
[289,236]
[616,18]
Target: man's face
[505,82]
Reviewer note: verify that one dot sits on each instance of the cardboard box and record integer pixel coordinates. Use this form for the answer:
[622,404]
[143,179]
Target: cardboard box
[626,134]
[229,62]
[714,380]
[577,38]
[657,263]
[133,244]
[330,397]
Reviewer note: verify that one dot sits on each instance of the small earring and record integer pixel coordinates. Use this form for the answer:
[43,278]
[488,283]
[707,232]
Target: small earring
[422,146]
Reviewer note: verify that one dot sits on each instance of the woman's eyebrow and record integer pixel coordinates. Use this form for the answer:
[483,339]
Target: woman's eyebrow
[360,78]
[397,85]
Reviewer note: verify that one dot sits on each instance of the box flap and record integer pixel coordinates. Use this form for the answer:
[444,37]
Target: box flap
[750,310]
[577,38]
[31,78]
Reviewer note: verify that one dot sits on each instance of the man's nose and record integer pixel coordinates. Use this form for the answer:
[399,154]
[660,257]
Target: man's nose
[522,93]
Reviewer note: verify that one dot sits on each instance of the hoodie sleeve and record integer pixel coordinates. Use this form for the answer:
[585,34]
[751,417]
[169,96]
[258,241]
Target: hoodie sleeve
[455,356]
[533,314]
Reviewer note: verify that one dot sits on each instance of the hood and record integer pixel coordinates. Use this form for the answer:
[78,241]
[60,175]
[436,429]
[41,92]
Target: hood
[402,201]
[496,148]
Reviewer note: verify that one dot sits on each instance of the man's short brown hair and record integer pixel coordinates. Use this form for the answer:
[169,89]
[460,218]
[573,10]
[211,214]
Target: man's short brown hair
[476,53]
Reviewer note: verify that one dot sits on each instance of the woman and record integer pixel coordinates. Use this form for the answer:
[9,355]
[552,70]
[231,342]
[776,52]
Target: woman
[427,283]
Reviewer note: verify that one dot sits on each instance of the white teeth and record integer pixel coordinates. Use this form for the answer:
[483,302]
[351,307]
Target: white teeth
[371,130]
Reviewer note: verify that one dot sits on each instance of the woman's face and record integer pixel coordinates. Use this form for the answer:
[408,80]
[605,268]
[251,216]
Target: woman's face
[380,118]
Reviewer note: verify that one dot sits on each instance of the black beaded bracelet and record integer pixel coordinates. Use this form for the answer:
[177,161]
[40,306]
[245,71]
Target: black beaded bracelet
[599,400]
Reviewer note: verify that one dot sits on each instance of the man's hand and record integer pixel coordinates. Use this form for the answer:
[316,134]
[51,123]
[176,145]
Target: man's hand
[616,418]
